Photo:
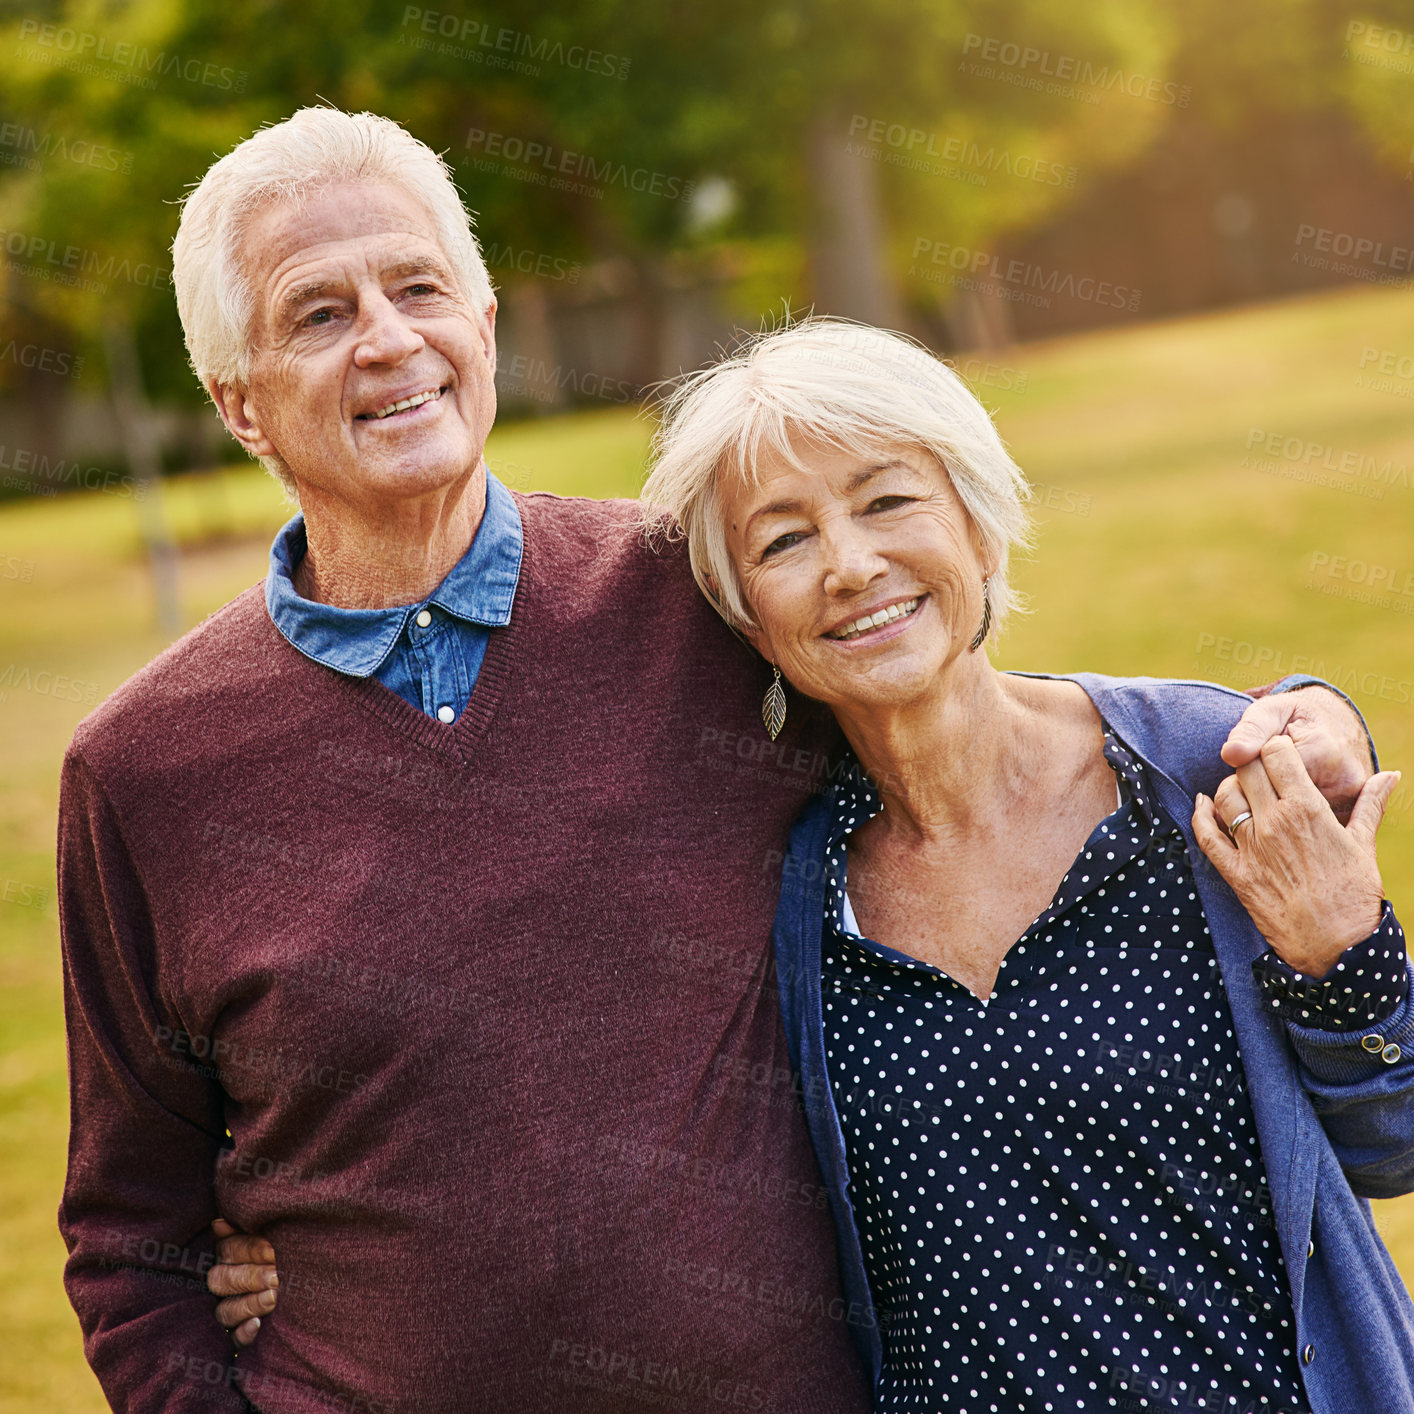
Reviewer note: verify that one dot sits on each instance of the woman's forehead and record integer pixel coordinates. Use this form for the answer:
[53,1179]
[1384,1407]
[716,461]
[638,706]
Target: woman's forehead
[829,466]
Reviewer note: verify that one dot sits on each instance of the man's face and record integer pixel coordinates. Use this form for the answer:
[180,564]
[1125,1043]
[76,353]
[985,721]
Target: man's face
[356,309]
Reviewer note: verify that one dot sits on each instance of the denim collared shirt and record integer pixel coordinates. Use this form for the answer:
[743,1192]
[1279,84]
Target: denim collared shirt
[429,652]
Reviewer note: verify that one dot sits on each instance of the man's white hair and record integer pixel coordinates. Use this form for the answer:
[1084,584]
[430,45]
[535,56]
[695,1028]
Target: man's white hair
[837,384]
[291,162]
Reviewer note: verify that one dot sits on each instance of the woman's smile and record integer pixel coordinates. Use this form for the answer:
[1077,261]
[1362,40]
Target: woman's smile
[893,618]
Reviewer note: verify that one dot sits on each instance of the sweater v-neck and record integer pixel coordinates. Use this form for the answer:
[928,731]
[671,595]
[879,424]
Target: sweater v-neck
[455,741]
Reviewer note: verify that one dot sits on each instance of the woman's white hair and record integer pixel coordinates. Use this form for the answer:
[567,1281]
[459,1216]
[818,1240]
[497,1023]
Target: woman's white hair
[831,383]
[291,162]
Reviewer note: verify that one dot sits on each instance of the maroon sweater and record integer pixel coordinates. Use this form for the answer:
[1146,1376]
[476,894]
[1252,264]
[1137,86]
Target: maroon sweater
[488,1010]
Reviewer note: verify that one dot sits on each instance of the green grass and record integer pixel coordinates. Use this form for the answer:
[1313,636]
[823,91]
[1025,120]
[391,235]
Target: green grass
[1162,550]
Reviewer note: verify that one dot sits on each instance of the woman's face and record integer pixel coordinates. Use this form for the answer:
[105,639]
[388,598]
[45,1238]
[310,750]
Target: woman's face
[851,537]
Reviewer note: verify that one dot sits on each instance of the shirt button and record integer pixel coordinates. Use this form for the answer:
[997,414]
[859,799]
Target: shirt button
[1308,1355]
[424,618]
[1373,1043]
[445,714]
[1390,1054]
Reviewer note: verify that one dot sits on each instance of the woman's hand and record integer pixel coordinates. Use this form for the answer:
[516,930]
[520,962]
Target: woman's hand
[245,1275]
[1312,885]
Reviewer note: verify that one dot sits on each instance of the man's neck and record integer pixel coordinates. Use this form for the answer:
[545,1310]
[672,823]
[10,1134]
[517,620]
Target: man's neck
[398,555]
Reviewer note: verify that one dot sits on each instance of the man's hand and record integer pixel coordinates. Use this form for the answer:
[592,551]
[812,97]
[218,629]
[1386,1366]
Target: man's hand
[1311,885]
[1326,732]
[244,1274]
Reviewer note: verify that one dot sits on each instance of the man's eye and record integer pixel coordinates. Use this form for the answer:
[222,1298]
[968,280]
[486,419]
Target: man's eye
[422,289]
[319,316]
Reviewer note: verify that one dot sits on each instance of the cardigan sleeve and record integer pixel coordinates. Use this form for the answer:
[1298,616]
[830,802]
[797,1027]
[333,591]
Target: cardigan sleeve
[145,1129]
[1361,1083]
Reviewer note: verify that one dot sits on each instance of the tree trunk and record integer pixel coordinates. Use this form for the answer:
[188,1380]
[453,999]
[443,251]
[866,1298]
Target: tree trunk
[140,444]
[848,238]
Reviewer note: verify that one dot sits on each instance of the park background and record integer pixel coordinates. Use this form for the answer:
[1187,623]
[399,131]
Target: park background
[1169,244]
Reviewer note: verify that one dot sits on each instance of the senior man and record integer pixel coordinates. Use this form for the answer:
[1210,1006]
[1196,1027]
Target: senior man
[412,917]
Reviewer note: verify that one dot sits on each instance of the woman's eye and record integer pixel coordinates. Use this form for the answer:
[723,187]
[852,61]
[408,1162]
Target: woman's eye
[887,503]
[781,542]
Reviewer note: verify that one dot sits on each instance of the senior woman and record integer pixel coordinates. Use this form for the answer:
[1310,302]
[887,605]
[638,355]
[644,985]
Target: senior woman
[1096,1135]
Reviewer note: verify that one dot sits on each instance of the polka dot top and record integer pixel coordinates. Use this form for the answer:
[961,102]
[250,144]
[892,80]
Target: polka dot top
[1059,1192]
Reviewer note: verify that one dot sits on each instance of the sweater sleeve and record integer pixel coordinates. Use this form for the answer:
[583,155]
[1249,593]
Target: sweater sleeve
[145,1129]
[1361,1083]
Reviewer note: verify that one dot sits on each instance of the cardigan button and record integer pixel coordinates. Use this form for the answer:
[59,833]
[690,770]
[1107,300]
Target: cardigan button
[1311,1248]
[1390,1054]
[1373,1043]
[1308,1355]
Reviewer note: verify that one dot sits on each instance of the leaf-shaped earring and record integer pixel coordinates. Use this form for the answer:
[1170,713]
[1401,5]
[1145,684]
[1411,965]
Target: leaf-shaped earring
[773,707]
[981,635]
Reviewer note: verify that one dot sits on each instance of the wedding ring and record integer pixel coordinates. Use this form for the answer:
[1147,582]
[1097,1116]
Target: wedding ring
[1241,820]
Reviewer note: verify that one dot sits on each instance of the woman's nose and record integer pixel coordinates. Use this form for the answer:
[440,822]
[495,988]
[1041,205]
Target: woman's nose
[852,560]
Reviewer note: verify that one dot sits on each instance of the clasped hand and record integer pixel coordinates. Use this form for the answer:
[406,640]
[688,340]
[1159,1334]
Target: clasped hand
[1311,885]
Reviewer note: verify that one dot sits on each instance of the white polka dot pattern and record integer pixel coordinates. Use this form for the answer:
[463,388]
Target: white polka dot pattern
[1059,1192]
[1367,984]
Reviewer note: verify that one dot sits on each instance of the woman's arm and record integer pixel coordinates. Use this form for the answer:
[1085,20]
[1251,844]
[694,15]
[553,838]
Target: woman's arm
[1337,973]
[245,1275]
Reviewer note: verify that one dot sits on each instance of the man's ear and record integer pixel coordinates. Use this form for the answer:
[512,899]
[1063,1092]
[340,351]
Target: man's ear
[488,334]
[240,419]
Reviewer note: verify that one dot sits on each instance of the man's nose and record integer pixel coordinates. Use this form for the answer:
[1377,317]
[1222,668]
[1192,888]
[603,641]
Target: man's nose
[384,332]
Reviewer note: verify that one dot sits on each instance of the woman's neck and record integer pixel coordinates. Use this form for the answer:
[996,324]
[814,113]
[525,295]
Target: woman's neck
[938,762]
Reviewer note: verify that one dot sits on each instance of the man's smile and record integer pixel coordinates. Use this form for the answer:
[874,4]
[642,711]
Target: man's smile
[405,404]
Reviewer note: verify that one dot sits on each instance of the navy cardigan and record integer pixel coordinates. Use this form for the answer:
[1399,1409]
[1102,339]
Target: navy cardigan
[1336,1121]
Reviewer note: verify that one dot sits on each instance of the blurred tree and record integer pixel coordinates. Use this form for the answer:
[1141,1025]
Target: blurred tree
[846,145]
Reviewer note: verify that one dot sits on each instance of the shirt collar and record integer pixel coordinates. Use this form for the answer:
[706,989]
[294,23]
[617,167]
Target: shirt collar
[479,589]
[856,798]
